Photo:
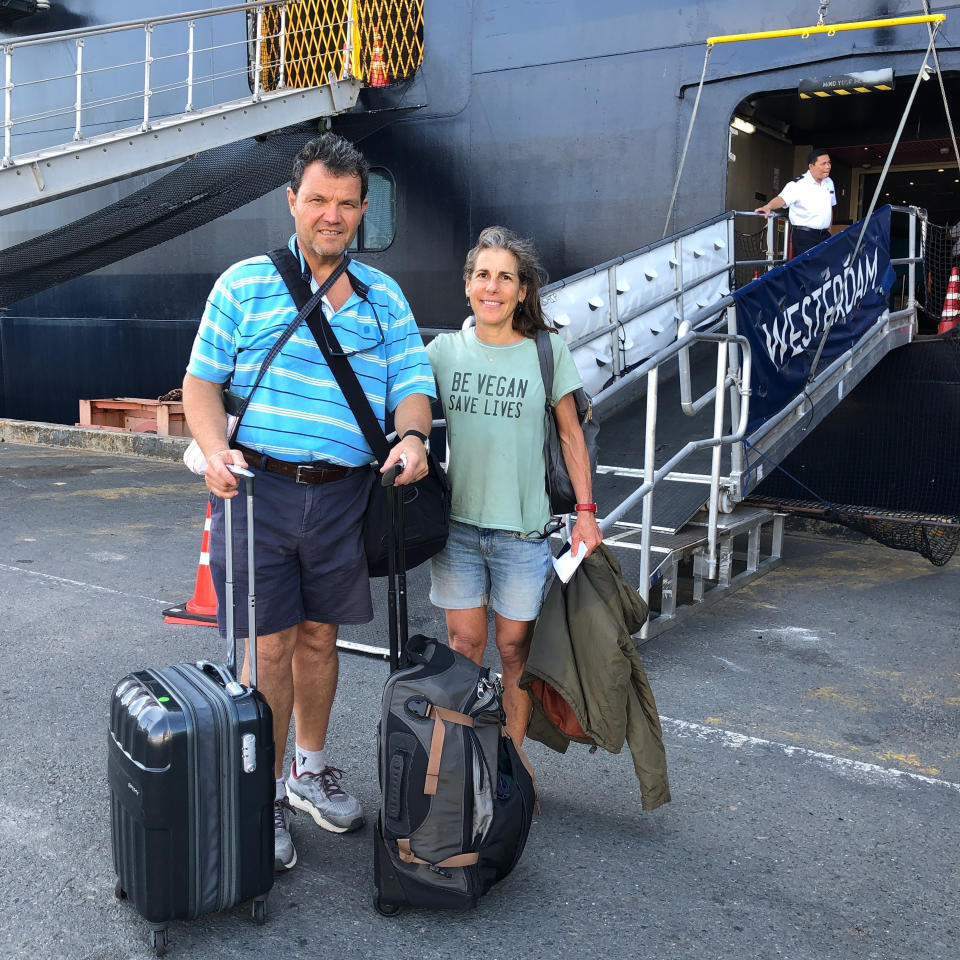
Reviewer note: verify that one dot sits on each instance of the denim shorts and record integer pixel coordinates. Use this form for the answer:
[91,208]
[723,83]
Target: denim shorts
[480,567]
[308,551]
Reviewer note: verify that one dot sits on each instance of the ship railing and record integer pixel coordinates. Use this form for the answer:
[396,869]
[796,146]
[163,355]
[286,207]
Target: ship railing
[733,366]
[716,322]
[169,82]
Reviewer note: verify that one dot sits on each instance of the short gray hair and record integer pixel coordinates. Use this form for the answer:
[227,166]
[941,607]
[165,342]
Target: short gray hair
[338,155]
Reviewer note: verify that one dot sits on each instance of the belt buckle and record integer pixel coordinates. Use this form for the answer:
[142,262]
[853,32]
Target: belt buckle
[301,466]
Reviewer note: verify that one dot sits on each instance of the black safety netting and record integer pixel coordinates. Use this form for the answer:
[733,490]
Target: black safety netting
[198,191]
[941,254]
[751,251]
[886,462]
[749,245]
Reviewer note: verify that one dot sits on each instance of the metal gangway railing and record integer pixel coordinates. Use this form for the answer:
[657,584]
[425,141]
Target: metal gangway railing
[613,312]
[143,93]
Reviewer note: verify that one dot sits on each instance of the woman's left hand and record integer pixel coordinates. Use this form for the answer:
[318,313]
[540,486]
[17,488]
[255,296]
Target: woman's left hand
[585,530]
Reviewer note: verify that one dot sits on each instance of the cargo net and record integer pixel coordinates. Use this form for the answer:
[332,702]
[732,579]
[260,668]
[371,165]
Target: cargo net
[941,257]
[306,42]
[886,462]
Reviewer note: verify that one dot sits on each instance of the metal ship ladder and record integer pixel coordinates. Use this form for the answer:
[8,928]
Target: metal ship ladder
[678,524]
[145,93]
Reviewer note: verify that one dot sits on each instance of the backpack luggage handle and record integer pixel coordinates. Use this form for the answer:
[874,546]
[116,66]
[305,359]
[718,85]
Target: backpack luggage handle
[396,566]
[251,595]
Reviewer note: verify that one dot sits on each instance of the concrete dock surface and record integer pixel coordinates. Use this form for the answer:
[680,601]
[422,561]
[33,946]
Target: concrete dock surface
[811,721]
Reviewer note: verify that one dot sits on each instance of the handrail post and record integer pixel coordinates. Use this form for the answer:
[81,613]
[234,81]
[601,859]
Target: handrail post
[771,242]
[736,372]
[912,268]
[147,60]
[7,104]
[352,31]
[282,75]
[678,279]
[649,469]
[718,410]
[617,330]
[191,30]
[78,103]
[258,67]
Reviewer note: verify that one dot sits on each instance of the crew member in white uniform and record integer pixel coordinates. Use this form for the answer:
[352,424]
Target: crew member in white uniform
[811,199]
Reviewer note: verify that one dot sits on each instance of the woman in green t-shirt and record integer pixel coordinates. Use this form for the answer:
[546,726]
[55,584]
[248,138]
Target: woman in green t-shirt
[492,392]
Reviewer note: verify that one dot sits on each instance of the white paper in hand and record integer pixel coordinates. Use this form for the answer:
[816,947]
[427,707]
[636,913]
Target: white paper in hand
[567,563]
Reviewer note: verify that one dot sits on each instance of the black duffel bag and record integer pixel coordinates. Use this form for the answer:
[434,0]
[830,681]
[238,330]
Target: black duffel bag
[427,502]
[426,505]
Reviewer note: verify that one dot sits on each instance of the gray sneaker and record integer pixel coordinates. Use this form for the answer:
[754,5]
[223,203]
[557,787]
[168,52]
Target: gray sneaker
[284,852]
[321,795]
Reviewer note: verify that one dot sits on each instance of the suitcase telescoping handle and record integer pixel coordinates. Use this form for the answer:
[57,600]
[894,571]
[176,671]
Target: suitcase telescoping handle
[396,565]
[251,595]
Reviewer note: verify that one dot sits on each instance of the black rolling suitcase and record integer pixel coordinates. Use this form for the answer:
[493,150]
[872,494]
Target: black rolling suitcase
[457,796]
[191,781]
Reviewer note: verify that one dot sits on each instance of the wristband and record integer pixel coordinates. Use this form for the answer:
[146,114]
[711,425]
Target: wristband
[416,433]
[587,507]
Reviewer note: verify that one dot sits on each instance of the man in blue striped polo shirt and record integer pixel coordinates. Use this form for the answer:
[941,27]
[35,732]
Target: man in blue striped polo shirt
[302,441]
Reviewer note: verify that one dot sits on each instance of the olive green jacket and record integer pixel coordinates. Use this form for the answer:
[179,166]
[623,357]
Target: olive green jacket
[582,648]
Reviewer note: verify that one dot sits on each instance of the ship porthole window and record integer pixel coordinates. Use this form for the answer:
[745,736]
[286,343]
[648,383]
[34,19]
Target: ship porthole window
[379,223]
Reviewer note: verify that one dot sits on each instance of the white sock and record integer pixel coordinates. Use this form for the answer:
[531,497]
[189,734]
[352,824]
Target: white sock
[309,761]
[281,789]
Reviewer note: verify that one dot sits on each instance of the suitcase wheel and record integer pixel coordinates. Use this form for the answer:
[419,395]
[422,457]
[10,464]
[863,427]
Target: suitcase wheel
[158,940]
[386,909]
[119,892]
[258,911]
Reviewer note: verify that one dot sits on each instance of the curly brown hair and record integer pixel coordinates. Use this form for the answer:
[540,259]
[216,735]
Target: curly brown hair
[528,317]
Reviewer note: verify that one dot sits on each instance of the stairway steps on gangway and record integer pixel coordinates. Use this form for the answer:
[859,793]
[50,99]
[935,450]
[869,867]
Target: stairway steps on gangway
[675,501]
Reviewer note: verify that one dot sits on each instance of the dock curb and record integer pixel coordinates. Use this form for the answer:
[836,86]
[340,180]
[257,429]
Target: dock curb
[88,438]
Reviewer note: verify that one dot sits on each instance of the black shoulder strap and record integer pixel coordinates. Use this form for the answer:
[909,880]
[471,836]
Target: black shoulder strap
[303,310]
[289,268]
[545,354]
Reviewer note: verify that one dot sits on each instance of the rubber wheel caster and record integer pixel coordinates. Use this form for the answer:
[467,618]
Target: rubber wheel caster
[259,912]
[386,909]
[158,941]
[119,892]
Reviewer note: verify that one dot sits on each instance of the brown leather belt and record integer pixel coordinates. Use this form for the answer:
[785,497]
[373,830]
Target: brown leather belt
[315,472]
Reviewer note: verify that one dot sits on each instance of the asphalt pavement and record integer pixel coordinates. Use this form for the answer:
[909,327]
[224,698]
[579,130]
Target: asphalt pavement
[811,721]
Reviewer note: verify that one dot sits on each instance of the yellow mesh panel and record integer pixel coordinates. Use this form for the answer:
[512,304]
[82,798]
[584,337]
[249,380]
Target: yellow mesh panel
[387,41]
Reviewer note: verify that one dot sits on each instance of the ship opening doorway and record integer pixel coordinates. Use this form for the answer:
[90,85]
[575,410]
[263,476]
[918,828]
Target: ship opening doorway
[771,133]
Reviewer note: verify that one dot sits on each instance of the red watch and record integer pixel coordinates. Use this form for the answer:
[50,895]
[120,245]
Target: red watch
[587,507]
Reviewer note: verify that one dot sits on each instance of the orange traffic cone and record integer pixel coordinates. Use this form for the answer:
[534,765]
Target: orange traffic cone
[201,608]
[950,315]
[378,69]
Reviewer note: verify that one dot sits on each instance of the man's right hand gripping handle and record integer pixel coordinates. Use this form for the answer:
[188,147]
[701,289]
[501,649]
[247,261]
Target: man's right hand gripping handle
[220,481]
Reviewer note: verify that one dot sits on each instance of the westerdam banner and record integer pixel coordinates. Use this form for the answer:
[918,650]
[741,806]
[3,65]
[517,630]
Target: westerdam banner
[785,313]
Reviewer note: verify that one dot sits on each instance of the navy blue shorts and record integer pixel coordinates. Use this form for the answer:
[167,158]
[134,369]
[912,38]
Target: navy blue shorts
[308,551]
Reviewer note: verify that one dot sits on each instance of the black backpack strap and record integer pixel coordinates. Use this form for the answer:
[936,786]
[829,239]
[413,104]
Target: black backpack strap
[545,355]
[289,269]
[305,306]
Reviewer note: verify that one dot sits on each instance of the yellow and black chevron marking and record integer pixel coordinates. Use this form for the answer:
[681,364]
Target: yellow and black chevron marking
[387,41]
[847,84]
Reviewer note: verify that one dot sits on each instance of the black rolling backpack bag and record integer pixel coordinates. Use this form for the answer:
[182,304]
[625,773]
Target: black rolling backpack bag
[191,781]
[457,796]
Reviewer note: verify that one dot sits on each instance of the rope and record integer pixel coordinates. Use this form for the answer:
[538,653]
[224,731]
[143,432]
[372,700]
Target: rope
[876,194]
[943,91]
[683,155]
[748,446]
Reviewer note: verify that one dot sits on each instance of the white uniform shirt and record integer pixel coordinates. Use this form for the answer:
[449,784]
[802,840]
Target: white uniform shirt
[810,202]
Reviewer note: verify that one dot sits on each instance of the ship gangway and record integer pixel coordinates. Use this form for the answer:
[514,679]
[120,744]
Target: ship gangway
[658,341]
[87,107]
